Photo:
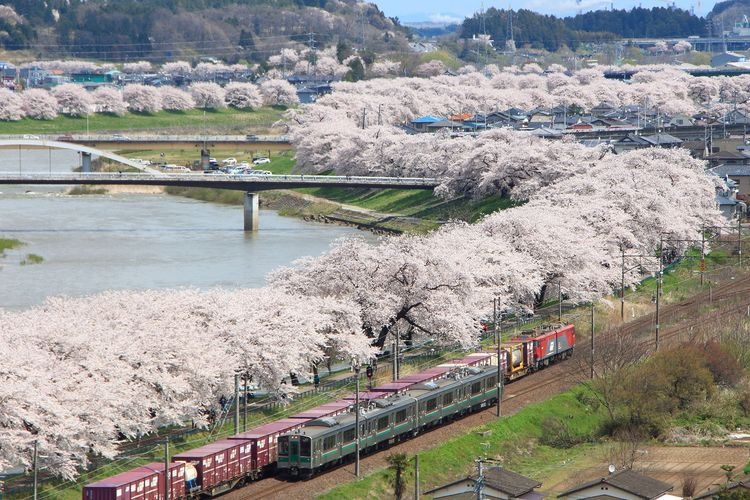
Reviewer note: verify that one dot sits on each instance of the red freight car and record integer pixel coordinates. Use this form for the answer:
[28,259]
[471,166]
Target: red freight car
[264,445]
[219,466]
[176,478]
[136,484]
[550,345]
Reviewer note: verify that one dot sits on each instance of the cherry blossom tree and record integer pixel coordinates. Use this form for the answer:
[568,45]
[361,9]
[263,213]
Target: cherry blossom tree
[383,68]
[174,99]
[430,68]
[278,93]
[176,68]
[243,96]
[11,105]
[89,369]
[142,98]
[207,95]
[39,104]
[73,99]
[682,46]
[137,67]
[109,100]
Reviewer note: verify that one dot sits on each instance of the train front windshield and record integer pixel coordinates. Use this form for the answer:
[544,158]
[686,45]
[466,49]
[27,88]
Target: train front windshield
[284,446]
[304,446]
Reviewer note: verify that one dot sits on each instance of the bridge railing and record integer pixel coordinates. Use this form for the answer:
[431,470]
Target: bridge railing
[218,178]
[147,138]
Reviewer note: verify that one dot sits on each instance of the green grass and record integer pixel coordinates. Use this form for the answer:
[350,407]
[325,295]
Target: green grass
[81,190]
[32,258]
[512,439]
[194,121]
[9,244]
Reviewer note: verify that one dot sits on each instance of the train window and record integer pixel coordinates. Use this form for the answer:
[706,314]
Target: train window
[304,446]
[348,435]
[476,388]
[284,445]
[400,416]
[329,442]
[492,381]
[382,423]
[431,404]
[447,399]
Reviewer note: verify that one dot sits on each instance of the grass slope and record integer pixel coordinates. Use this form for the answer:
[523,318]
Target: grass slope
[194,121]
[514,440]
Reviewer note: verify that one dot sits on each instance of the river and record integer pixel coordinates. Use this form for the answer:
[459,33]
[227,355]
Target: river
[93,243]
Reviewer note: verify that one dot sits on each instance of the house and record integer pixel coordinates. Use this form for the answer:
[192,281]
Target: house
[726,201]
[735,117]
[498,483]
[727,158]
[740,174]
[680,120]
[625,484]
[663,140]
[422,122]
[737,485]
[631,142]
[447,124]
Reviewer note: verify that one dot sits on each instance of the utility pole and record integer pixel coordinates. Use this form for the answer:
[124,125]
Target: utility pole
[244,405]
[559,302]
[416,477]
[364,118]
[622,287]
[499,364]
[36,467]
[658,287]
[592,339]
[166,469]
[355,365]
[479,486]
[739,240]
[237,403]
[703,253]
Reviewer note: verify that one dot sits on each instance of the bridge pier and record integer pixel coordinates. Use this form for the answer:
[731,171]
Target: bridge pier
[251,212]
[85,162]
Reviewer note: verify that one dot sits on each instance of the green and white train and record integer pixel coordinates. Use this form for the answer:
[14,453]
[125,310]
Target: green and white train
[329,441]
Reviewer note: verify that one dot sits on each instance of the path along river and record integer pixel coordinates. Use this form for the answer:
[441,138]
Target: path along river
[92,243]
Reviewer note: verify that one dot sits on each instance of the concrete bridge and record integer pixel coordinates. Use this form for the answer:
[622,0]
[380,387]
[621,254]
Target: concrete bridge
[251,184]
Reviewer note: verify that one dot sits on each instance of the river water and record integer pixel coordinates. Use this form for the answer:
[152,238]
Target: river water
[93,243]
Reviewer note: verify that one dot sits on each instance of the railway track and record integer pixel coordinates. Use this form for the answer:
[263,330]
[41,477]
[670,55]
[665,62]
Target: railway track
[688,314]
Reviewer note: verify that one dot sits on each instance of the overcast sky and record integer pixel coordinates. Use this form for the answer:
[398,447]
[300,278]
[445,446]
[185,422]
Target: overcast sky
[457,10]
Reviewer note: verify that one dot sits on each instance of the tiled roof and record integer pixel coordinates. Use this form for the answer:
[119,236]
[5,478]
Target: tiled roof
[630,481]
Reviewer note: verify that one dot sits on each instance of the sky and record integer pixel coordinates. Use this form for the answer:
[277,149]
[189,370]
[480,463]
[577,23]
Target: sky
[457,10]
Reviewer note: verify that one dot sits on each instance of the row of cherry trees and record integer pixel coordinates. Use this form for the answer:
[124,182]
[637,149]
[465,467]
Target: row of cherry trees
[73,100]
[89,369]
[127,363]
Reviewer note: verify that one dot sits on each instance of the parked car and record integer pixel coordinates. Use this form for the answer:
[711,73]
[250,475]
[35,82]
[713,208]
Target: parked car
[258,172]
[29,136]
[65,137]
[229,161]
[120,137]
[252,138]
[261,160]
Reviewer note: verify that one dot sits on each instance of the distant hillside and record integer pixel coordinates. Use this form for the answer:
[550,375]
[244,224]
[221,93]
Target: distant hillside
[550,32]
[125,30]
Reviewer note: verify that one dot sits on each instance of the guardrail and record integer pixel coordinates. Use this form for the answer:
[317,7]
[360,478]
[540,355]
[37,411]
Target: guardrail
[148,138]
[218,178]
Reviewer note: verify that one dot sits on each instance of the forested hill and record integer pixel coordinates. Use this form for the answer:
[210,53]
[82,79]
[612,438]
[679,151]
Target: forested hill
[551,33]
[124,30]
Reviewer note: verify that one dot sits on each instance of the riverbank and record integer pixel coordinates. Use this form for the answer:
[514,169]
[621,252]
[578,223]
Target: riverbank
[386,211]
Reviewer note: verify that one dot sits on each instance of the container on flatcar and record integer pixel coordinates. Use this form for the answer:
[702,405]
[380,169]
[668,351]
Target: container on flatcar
[264,442]
[136,484]
[219,466]
[176,478]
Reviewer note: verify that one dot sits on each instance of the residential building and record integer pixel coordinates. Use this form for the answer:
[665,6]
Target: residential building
[498,483]
[625,485]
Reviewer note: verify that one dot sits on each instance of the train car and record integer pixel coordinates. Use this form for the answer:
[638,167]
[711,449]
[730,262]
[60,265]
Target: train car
[331,440]
[177,478]
[136,484]
[264,443]
[217,467]
[549,345]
